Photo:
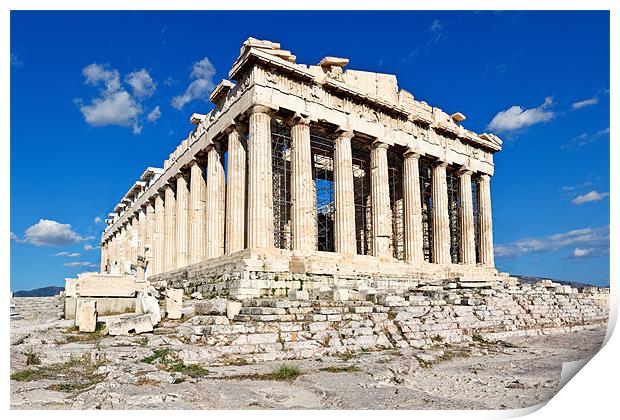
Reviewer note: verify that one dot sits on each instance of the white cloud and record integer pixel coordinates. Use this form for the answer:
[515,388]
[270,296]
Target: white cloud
[97,219]
[202,73]
[115,105]
[51,233]
[582,252]
[596,239]
[436,26]
[67,254]
[14,237]
[141,83]
[79,264]
[89,247]
[96,73]
[585,103]
[154,114]
[117,108]
[588,197]
[516,117]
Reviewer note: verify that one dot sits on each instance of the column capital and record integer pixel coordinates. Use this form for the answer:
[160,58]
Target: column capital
[298,119]
[235,126]
[465,170]
[412,153]
[441,164]
[261,109]
[343,132]
[378,144]
[485,177]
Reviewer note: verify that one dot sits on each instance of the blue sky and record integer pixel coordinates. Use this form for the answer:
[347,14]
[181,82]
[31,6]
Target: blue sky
[96,97]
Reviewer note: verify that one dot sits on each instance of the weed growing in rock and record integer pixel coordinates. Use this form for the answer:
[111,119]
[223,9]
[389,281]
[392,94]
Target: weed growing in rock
[340,369]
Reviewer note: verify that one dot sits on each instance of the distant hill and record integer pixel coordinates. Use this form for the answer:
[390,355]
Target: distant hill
[534,279]
[40,292]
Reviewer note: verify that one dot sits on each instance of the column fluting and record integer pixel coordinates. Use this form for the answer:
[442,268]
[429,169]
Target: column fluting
[380,192]
[440,218]
[235,190]
[412,209]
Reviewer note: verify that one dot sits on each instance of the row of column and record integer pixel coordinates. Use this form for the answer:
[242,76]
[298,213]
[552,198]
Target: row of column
[303,232]
[189,222]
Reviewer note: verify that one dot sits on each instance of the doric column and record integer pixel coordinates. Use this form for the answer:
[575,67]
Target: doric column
[147,243]
[182,225]
[441,222]
[303,210]
[134,241]
[169,229]
[122,249]
[344,199]
[215,203]
[486,222]
[113,253]
[197,194]
[380,192]
[235,190]
[260,179]
[158,235]
[104,257]
[468,246]
[412,208]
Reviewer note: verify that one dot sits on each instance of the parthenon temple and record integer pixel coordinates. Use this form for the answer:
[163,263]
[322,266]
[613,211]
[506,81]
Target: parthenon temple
[310,177]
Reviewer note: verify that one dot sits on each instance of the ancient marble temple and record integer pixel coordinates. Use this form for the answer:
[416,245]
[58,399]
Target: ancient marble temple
[310,177]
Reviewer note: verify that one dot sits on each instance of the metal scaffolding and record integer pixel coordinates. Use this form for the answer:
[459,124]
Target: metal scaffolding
[361,193]
[395,179]
[323,176]
[475,192]
[454,207]
[426,195]
[281,166]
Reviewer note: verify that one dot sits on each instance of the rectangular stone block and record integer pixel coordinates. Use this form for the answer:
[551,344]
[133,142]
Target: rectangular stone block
[174,303]
[86,316]
[106,286]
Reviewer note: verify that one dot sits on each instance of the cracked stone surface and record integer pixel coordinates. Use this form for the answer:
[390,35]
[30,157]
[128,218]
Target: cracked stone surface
[518,372]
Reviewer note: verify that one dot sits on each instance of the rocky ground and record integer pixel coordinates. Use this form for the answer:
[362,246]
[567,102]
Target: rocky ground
[53,366]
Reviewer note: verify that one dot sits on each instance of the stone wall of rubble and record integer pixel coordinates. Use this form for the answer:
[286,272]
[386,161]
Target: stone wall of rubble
[242,283]
[268,328]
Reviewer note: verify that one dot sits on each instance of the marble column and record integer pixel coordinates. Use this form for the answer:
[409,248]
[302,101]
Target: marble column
[158,235]
[344,199]
[260,179]
[380,193]
[134,242]
[468,245]
[113,254]
[235,190]
[169,229]
[412,209]
[104,257]
[441,222]
[486,223]
[303,210]
[197,194]
[149,231]
[215,202]
[182,225]
[123,250]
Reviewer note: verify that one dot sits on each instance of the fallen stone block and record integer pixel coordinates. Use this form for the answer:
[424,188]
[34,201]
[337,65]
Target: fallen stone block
[197,295]
[147,304]
[86,316]
[174,303]
[126,324]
